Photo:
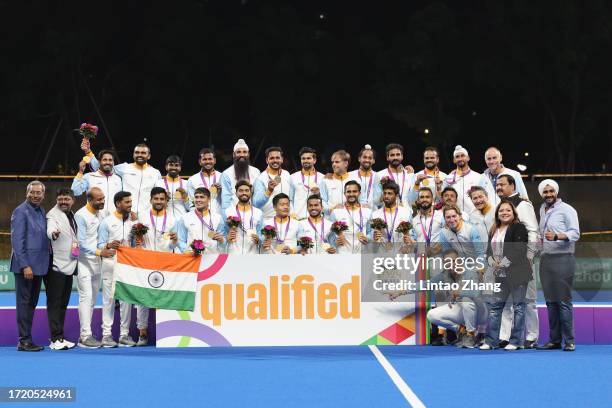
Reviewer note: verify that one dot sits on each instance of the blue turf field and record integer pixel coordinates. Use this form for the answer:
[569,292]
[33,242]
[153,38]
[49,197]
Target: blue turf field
[316,376]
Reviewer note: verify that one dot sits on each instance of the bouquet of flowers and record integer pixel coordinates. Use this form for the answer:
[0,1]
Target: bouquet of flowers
[403,227]
[439,205]
[339,227]
[269,232]
[139,230]
[378,224]
[88,131]
[305,243]
[384,180]
[197,246]
[233,221]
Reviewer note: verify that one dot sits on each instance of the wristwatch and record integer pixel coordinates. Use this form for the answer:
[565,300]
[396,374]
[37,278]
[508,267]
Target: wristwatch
[556,237]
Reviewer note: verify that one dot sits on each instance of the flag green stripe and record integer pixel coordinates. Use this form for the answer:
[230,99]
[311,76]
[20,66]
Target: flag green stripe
[155,298]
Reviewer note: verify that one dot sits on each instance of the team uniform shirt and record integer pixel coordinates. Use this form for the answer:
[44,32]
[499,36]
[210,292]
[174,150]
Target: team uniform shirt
[489,181]
[194,225]
[263,200]
[429,182]
[332,191]
[201,179]
[228,185]
[251,223]
[88,221]
[286,234]
[160,226]
[462,183]
[302,186]
[393,217]
[370,187]
[176,205]
[427,228]
[319,231]
[110,185]
[115,228]
[483,223]
[405,181]
[136,180]
[466,241]
[357,221]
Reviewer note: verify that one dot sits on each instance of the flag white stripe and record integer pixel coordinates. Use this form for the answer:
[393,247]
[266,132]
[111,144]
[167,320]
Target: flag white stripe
[141,277]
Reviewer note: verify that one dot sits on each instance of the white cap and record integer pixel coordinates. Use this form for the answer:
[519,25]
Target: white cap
[240,144]
[460,149]
[548,182]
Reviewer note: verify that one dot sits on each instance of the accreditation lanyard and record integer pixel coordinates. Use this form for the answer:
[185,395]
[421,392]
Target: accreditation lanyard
[168,188]
[208,225]
[208,183]
[278,240]
[427,235]
[322,234]
[163,223]
[369,189]
[307,186]
[360,225]
[243,216]
[403,181]
[390,230]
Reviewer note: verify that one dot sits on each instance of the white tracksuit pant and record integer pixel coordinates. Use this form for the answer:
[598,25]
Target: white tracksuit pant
[108,302]
[532,323]
[142,317]
[89,279]
[464,312]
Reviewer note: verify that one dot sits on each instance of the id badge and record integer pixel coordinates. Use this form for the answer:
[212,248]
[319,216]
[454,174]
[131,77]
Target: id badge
[75,250]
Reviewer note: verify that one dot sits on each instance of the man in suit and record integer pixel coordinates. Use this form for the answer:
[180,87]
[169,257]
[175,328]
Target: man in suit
[29,259]
[62,231]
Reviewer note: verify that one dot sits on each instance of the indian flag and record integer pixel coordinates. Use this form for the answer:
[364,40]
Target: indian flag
[160,280]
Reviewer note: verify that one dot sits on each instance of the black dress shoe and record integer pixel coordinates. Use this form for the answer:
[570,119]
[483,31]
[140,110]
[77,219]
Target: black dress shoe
[549,346]
[503,343]
[530,344]
[569,347]
[29,347]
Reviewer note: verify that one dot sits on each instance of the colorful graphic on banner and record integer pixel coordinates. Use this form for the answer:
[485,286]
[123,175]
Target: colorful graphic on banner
[272,300]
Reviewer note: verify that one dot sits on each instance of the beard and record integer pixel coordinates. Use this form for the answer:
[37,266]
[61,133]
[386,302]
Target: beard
[241,168]
[424,206]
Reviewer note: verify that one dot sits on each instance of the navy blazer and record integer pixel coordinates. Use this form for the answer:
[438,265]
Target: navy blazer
[31,246]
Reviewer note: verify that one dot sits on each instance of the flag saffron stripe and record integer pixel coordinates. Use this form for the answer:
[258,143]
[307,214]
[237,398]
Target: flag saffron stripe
[160,261]
[158,299]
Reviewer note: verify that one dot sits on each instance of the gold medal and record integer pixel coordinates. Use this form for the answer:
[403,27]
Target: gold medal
[251,232]
[426,182]
[166,236]
[279,248]
[178,195]
[213,190]
[325,246]
[360,234]
[312,185]
[211,234]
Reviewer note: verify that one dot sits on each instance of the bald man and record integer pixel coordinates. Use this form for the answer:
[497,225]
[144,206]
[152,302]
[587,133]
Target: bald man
[495,168]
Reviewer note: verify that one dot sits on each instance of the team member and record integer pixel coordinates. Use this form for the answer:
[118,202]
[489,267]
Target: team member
[240,170]
[62,231]
[462,179]
[403,176]
[506,190]
[428,222]
[393,215]
[243,239]
[161,236]
[200,223]
[560,230]
[178,199]
[483,215]
[495,168]
[115,231]
[316,227]
[285,241]
[459,311]
[207,177]
[367,178]
[89,276]
[305,182]
[450,196]
[356,218]
[272,181]
[332,187]
[460,235]
[105,179]
[30,259]
[430,176]
[138,178]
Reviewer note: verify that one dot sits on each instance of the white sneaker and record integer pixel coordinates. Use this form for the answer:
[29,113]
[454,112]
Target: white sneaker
[485,346]
[68,344]
[57,345]
[510,347]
